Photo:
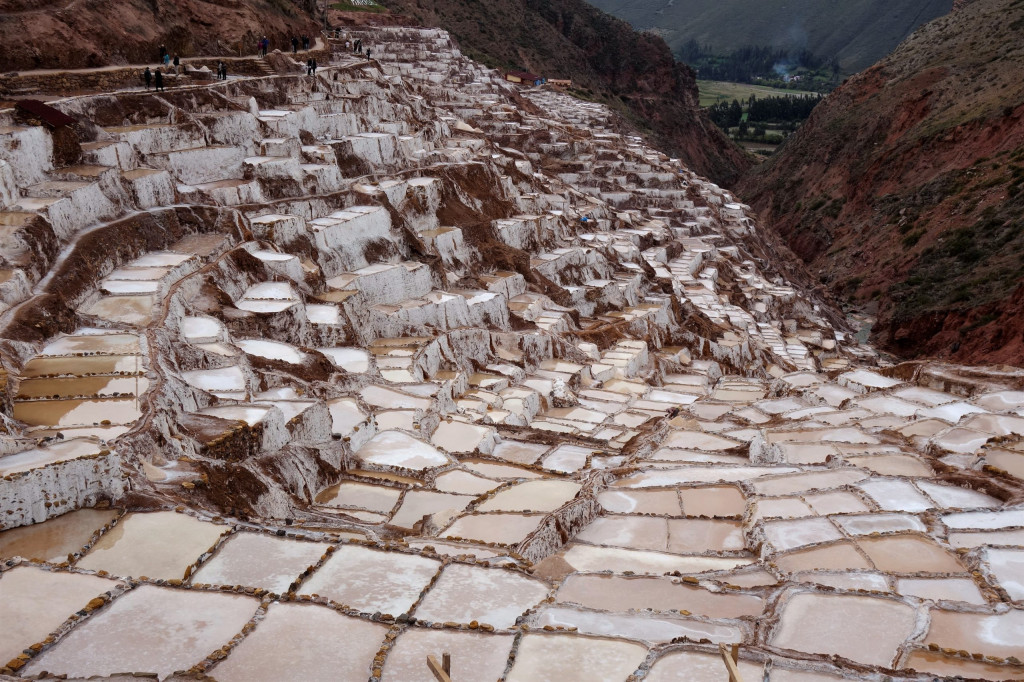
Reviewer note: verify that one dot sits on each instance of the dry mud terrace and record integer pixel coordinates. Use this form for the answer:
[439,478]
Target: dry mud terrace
[313,377]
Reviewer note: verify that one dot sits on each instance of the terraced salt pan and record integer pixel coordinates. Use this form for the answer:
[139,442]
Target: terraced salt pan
[945,589]
[624,593]
[503,529]
[379,396]
[956,497]
[301,642]
[519,452]
[503,472]
[862,629]
[155,545]
[398,449]
[463,483]
[786,535]
[893,465]
[712,501]
[55,452]
[475,655]
[272,350]
[82,341]
[370,580]
[698,440]
[345,415]
[201,329]
[53,540]
[416,504]
[936,663]
[487,595]
[375,498]
[567,458]
[861,580]
[257,560]
[991,635]
[532,496]
[664,478]
[695,666]
[223,380]
[908,554]
[635,626]
[354,360]
[460,437]
[981,520]
[34,602]
[842,555]
[659,502]
[1007,565]
[77,412]
[150,629]
[590,558]
[250,414]
[866,524]
[568,657]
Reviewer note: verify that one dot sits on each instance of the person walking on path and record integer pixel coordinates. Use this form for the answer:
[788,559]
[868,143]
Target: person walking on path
[314,67]
[305,42]
[309,67]
[367,54]
[163,51]
[159,81]
[177,63]
[147,76]
[359,45]
[167,59]
[295,45]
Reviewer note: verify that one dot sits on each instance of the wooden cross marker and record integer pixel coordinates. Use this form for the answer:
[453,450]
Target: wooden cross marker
[731,658]
[443,670]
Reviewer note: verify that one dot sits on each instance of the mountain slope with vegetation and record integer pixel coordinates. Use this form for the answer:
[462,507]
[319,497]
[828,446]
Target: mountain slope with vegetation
[858,32]
[904,191]
[606,59]
[70,34]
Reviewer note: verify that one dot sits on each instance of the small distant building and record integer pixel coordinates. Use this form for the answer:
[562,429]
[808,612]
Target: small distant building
[563,83]
[524,78]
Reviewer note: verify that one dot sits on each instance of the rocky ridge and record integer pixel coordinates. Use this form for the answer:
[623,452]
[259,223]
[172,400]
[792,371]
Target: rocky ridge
[403,356]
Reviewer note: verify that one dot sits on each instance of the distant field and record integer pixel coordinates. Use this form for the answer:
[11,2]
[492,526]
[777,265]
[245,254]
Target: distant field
[858,32]
[712,92]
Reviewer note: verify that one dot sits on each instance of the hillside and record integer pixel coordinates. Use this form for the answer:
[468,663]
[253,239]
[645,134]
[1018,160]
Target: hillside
[606,59]
[859,32]
[50,34]
[903,189]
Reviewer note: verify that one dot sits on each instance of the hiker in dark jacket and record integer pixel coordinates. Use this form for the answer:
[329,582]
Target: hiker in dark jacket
[177,63]
[309,67]
[314,67]
[295,45]
[147,75]
[159,80]
[163,51]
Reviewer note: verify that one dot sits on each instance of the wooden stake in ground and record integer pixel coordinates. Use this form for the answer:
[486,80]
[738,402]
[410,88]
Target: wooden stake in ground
[731,658]
[442,671]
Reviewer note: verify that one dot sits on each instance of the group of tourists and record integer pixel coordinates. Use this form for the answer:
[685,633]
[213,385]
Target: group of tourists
[357,47]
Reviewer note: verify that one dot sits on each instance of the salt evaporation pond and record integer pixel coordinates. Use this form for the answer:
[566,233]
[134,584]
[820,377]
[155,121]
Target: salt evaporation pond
[143,632]
[155,545]
[304,642]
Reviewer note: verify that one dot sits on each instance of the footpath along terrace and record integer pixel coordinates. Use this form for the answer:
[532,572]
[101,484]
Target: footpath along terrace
[291,361]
